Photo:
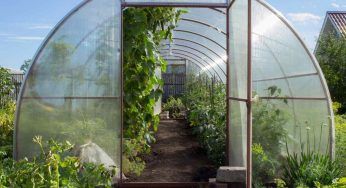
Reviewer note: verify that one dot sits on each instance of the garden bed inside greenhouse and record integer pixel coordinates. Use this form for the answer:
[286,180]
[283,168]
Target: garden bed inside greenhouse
[176,156]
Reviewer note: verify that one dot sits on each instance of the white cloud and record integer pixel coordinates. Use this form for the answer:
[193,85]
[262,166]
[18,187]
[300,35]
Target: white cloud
[43,26]
[335,5]
[28,38]
[303,17]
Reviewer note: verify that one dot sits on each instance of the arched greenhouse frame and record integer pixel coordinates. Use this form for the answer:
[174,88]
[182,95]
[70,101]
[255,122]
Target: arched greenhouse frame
[246,44]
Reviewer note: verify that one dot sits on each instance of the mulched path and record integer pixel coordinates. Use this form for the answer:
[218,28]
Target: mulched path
[176,156]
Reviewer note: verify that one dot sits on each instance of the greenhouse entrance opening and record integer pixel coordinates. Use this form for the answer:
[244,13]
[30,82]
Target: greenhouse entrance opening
[184,151]
[250,88]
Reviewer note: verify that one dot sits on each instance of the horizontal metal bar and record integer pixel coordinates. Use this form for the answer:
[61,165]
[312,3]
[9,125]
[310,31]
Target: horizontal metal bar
[285,77]
[71,97]
[174,4]
[296,98]
[237,99]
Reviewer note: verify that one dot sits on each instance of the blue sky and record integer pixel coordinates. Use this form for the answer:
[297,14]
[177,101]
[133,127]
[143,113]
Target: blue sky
[24,24]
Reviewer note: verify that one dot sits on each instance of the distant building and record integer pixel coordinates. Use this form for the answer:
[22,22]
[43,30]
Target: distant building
[334,24]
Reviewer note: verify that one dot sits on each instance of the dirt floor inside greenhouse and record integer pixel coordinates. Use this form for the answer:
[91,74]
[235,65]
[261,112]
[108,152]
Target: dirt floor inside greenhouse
[176,156]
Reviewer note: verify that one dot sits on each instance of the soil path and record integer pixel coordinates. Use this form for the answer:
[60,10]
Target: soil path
[176,156]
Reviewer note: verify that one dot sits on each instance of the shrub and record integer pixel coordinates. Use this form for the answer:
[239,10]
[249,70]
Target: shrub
[175,107]
[54,167]
[6,87]
[6,130]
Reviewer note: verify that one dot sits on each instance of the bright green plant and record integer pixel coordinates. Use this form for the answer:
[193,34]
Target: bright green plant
[340,138]
[144,29]
[54,167]
[264,168]
[175,106]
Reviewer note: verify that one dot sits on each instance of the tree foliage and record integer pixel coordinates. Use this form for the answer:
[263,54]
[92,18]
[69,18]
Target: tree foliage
[331,56]
[6,87]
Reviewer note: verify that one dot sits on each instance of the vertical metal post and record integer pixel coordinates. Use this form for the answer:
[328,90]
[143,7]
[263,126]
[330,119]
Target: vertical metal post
[227,90]
[249,98]
[122,93]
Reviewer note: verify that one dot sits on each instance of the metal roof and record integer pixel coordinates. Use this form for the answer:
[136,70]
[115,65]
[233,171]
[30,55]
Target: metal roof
[338,19]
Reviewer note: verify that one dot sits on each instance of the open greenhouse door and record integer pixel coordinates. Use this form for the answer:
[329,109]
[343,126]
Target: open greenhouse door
[239,91]
[73,88]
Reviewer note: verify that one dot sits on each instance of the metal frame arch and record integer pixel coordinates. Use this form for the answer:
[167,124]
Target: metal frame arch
[186,31]
[176,54]
[187,40]
[184,46]
[220,31]
[182,52]
[181,56]
[199,57]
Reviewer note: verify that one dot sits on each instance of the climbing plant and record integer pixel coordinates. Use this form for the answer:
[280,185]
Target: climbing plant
[144,29]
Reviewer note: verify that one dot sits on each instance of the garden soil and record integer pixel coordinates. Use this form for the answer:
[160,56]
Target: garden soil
[176,156]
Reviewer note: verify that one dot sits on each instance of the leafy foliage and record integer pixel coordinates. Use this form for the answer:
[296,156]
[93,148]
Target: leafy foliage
[308,168]
[331,55]
[264,167]
[6,130]
[54,167]
[205,101]
[7,108]
[6,87]
[144,29]
[268,137]
[174,106]
[340,138]
[268,122]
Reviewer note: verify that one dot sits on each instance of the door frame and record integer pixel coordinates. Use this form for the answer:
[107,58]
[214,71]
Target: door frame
[248,100]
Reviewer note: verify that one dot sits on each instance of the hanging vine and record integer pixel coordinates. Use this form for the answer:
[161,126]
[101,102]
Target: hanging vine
[144,29]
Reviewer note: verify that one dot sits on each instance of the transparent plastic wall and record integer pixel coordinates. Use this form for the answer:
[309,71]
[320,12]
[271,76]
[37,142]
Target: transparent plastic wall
[238,60]
[201,37]
[293,101]
[72,91]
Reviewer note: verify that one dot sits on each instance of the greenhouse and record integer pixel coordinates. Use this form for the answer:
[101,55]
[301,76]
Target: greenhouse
[266,88]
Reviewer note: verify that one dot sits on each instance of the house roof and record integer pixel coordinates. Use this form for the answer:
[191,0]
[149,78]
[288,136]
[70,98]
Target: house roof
[338,19]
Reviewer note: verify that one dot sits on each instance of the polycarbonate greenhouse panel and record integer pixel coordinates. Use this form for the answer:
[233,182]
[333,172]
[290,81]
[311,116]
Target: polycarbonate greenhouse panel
[238,19]
[238,83]
[72,91]
[214,17]
[80,121]
[237,133]
[292,96]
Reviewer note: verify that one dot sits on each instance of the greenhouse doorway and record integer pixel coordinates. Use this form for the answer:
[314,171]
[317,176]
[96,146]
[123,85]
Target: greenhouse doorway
[197,63]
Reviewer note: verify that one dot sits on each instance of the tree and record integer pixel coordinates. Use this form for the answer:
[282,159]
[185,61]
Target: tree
[331,56]
[6,87]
